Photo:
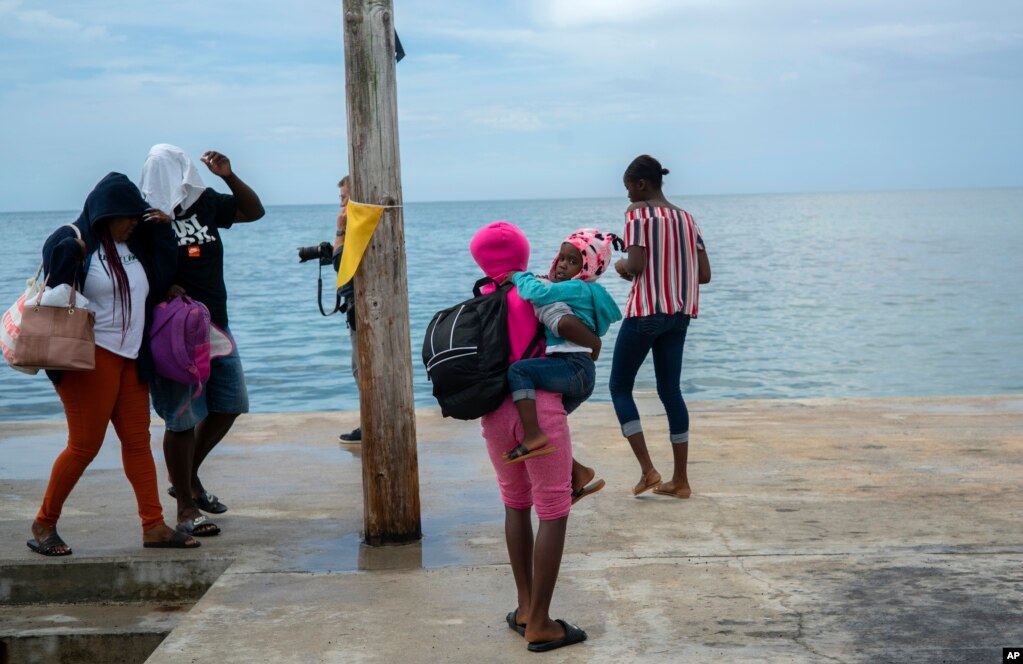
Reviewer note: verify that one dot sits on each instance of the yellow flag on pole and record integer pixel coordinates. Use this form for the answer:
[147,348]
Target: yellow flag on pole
[362,221]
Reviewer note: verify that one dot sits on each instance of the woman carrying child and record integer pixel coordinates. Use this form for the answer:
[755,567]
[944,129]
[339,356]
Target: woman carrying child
[666,263]
[568,368]
[544,483]
[121,255]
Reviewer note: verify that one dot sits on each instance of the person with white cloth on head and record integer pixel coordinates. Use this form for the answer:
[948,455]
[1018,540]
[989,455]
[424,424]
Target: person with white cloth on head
[194,426]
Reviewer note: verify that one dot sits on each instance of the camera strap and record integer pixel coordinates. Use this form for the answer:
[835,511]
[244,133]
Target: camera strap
[319,295]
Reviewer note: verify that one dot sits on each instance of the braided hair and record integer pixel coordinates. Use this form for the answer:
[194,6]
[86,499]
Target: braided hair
[113,267]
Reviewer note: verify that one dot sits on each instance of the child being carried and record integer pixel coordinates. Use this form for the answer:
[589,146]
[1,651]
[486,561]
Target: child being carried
[568,369]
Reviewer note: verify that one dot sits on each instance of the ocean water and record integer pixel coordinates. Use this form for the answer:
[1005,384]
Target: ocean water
[814,295]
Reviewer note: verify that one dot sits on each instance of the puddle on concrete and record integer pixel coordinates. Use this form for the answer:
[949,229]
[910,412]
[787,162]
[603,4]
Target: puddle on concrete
[292,450]
[31,457]
[456,526]
[443,545]
[445,542]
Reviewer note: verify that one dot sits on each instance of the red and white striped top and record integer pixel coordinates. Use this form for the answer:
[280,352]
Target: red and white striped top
[670,281]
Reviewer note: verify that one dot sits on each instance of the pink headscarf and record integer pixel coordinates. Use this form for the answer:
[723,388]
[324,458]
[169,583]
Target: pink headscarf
[595,246]
[499,248]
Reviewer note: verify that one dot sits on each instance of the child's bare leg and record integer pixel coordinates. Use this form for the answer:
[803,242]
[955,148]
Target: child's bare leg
[533,437]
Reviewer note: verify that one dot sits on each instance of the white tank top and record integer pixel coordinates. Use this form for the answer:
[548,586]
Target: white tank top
[101,288]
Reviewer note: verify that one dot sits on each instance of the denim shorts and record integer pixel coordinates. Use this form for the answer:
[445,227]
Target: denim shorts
[224,392]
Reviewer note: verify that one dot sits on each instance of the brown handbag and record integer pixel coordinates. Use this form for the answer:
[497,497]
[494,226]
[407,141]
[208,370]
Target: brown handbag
[56,338]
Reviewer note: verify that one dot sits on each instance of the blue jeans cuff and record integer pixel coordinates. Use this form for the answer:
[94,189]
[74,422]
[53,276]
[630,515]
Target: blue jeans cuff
[633,427]
[679,438]
[519,395]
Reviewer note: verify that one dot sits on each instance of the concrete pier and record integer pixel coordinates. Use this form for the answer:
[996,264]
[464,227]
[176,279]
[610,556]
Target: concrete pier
[819,531]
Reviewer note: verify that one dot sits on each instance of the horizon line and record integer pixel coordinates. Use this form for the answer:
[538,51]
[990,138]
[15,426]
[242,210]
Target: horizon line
[624,198]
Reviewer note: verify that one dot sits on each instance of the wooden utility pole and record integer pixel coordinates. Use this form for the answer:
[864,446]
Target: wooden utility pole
[390,466]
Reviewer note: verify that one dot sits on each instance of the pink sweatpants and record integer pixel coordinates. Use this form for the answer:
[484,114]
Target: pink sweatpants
[544,482]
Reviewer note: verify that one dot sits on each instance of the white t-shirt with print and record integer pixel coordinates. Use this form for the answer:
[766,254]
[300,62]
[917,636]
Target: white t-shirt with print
[101,288]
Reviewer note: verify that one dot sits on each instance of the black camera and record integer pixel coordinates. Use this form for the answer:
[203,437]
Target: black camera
[323,251]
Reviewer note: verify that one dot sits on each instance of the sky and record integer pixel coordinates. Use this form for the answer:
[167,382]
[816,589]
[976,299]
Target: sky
[521,99]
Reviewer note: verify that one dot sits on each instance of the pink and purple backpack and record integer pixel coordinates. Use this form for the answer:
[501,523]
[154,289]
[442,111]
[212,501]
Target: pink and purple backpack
[179,337]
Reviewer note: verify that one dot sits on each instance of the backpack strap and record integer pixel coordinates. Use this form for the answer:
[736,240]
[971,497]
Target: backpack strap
[477,288]
[178,331]
[533,349]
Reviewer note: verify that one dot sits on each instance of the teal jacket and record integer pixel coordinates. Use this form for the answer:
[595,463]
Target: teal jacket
[589,302]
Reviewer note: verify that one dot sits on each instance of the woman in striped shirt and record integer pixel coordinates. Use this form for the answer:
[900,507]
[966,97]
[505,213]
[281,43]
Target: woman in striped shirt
[666,264]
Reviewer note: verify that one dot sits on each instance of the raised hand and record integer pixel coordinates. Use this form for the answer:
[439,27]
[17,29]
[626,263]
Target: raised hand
[218,164]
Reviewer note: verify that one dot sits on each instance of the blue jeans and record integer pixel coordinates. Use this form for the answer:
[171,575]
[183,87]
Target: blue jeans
[571,375]
[665,334]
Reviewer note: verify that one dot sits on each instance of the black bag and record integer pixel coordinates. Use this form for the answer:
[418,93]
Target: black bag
[466,354]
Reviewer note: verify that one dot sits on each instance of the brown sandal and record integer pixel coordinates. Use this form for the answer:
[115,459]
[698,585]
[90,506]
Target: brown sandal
[638,489]
[520,453]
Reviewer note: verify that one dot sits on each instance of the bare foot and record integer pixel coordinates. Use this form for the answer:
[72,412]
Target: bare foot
[41,532]
[674,489]
[581,476]
[648,481]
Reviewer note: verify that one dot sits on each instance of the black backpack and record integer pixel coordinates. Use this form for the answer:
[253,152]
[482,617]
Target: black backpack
[466,353]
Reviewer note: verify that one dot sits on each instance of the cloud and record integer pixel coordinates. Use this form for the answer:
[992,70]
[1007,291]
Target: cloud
[713,80]
[949,38]
[581,13]
[507,119]
[41,25]
[306,133]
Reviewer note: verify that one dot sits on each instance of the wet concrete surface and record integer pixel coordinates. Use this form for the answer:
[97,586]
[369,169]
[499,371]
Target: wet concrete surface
[819,530]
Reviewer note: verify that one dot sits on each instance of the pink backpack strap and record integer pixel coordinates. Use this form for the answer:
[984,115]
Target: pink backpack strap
[181,353]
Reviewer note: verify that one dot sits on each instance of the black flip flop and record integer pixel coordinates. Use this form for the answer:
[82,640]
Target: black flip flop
[573,635]
[48,547]
[591,488]
[179,540]
[521,453]
[513,623]
[206,501]
[189,526]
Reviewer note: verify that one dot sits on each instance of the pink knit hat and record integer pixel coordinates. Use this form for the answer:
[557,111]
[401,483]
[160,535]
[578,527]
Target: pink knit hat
[595,246]
[500,247]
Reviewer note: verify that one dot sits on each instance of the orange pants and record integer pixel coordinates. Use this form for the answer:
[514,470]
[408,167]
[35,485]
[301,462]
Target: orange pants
[93,399]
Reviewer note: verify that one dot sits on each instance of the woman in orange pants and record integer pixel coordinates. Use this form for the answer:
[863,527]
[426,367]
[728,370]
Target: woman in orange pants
[123,273]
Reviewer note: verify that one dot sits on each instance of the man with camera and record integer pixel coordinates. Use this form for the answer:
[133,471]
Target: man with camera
[328,254]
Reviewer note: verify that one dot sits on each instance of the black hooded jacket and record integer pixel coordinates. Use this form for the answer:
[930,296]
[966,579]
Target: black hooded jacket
[154,244]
